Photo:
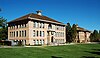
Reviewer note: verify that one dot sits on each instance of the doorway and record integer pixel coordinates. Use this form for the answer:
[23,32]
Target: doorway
[52,39]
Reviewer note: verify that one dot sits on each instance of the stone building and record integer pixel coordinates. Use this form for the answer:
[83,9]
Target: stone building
[82,35]
[34,29]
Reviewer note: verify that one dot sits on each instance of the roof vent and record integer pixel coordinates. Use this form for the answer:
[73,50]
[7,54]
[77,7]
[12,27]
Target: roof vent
[39,12]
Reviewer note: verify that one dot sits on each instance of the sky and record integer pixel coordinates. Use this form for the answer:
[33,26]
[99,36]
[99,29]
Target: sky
[85,13]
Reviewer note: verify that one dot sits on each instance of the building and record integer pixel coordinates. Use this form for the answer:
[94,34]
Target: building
[34,29]
[83,35]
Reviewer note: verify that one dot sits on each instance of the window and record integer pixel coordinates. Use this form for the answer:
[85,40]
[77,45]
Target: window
[43,34]
[20,26]
[37,42]
[40,25]
[13,27]
[25,25]
[16,33]
[49,26]
[34,41]
[37,33]
[19,33]
[17,26]
[10,27]
[22,33]
[63,34]
[43,25]
[47,33]
[25,33]
[59,34]
[55,34]
[35,24]
[10,34]
[40,33]
[52,33]
[40,42]
[57,28]
[33,33]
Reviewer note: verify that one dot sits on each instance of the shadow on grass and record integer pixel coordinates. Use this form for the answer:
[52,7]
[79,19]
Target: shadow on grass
[88,57]
[95,51]
[55,57]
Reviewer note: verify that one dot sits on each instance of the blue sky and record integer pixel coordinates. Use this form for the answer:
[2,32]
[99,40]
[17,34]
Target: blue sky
[85,13]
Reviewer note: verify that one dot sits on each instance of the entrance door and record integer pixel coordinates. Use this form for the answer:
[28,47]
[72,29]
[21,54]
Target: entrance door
[52,39]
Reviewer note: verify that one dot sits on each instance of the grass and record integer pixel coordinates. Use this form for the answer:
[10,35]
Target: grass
[68,51]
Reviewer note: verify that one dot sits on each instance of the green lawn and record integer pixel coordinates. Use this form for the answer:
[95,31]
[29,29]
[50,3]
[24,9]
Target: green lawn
[68,51]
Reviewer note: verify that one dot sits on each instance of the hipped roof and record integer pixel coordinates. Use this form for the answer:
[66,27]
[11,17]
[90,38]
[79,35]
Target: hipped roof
[32,15]
[82,29]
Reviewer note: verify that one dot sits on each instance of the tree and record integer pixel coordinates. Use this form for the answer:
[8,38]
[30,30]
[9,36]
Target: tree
[68,33]
[3,33]
[94,37]
[74,32]
[91,37]
[3,22]
[3,28]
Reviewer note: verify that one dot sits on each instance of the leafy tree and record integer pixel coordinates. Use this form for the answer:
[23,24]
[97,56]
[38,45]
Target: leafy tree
[91,37]
[74,32]
[68,33]
[3,28]
[3,33]
[94,37]
[3,22]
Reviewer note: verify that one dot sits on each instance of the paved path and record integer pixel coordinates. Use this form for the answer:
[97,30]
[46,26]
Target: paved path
[47,45]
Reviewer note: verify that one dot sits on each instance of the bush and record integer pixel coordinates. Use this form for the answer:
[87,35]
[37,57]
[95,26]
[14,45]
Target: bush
[8,43]
[35,45]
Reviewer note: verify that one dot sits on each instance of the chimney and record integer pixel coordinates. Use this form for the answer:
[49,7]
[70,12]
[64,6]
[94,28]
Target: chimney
[77,25]
[39,12]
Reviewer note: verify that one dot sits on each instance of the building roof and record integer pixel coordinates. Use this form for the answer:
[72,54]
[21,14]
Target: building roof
[82,29]
[32,15]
